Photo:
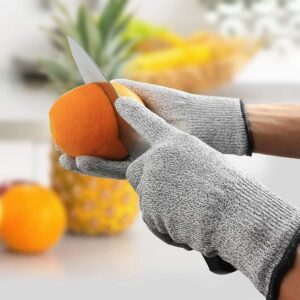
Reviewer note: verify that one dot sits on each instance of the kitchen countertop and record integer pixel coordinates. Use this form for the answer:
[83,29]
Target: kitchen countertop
[134,265]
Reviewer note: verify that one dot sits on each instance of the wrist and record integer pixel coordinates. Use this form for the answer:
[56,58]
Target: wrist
[275,128]
[289,288]
[283,282]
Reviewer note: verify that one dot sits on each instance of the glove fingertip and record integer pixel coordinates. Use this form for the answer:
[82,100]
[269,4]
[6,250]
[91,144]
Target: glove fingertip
[126,103]
[124,81]
[84,162]
[67,162]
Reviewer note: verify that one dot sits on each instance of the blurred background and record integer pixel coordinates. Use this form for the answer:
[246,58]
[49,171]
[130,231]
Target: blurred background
[237,48]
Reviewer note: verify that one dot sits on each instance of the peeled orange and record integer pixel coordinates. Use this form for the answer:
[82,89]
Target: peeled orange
[83,122]
[33,218]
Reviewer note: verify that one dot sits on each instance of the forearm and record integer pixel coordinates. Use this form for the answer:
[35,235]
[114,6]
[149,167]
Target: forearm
[275,128]
[290,289]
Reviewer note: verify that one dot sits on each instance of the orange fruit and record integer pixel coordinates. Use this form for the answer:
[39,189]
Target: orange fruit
[83,122]
[33,218]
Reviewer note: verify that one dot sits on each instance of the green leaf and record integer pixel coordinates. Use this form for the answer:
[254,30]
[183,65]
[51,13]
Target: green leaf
[124,46]
[57,39]
[88,33]
[110,15]
[82,27]
[64,27]
[114,70]
[54,70]
[93,36]
[122,25]
[62,9]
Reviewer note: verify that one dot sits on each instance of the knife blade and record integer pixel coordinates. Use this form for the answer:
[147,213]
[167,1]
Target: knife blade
[91,73]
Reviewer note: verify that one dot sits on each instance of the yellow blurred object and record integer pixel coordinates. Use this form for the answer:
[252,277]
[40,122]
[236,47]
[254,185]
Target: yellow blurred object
[94,205]
[33,218]
[171,38]
[205,37]
[203,61]
[171,58]
[163,39]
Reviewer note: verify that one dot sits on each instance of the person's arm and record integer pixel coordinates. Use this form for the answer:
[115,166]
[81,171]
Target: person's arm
[290,288]
[275,128]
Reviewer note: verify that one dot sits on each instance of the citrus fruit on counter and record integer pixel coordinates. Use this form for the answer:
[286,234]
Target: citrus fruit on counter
[83,122]
[33,218]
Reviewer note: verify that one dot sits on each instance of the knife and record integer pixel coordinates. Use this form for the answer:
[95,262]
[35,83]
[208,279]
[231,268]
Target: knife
[91,73]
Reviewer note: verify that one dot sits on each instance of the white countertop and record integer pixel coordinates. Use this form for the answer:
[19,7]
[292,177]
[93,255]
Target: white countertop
[133,266]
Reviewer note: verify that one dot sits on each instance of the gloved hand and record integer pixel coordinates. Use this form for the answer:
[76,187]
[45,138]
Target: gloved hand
[218,121]
[190,196]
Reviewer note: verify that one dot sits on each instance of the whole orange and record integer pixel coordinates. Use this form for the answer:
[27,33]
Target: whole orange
[33,218]
[83,122]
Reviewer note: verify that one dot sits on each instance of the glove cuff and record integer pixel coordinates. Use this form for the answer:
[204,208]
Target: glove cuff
[221,123]
[248,129]
[266,235]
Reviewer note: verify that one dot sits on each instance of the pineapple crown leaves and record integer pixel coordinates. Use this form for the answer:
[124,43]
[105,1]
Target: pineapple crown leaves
[103,36]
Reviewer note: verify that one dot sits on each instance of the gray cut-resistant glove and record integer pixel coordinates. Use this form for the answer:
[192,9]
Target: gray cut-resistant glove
[191,196]
[220,122]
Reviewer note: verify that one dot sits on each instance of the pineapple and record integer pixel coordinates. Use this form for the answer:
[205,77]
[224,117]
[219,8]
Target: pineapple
[94,205]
